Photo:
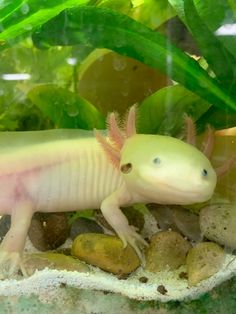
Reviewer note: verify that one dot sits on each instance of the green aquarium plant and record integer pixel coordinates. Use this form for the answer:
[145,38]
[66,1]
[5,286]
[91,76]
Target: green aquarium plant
[124,27]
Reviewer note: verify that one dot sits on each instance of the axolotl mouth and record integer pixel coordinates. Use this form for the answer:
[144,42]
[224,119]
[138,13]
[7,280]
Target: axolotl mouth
[183,196]
[181,190]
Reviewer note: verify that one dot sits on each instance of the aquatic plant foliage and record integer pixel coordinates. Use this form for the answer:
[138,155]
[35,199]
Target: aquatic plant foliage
[129,28]
[66,109]
[105,28]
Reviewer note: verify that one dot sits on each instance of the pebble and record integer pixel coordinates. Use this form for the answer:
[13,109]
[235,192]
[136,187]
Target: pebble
[105,252]
[39,261]
[177,219]
[183,275]
[203,261]
[143,279]
[187,223]
[167,251]
[163,216]
[84,225]
[162,289]
[218,223]
[48,231]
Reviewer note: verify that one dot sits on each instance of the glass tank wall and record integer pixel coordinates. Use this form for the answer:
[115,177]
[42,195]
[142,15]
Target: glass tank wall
[118,155]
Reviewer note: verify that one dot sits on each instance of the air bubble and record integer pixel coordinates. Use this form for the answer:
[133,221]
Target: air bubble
[28,27]
[119,64]
[72,112]
[25,8]
[125,93]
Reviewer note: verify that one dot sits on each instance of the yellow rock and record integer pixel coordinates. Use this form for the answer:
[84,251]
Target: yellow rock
[105,252]
[203,261]
[167,250]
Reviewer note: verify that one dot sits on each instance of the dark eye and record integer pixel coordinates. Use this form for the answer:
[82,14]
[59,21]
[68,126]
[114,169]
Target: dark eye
[204,173]
[157,161]
[126,168]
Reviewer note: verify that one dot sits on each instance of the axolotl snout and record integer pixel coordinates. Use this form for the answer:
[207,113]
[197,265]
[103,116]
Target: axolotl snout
[58,170]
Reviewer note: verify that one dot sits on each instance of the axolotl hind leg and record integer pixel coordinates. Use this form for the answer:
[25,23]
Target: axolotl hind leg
[13,244]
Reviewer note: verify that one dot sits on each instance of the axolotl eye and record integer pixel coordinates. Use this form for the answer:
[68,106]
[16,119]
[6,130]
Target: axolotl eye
[126,168]
[204,173]
[157,161]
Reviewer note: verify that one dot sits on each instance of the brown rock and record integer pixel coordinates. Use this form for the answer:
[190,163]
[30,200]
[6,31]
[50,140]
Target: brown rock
[48,231]
[167,250]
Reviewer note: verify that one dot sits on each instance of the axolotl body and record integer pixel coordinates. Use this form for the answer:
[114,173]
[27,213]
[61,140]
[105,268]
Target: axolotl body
[67,170]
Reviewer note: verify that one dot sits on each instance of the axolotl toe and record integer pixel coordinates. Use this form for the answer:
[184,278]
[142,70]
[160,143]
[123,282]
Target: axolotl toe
[65,170]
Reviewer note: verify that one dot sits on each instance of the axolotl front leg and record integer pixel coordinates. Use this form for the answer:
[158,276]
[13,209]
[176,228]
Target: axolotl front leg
[114,216]
[13,244]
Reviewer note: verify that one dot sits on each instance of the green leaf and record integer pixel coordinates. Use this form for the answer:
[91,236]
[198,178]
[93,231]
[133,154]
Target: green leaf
[22,17]
[152,13]
[122,5]
[7,7]
[232,5]
[219,119]
[222,62]
[163,112]
[214,15]
[66,109]
[217,14]
[21,116]
[103,28]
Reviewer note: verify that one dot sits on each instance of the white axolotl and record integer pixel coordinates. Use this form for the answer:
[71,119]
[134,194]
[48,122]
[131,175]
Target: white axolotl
[60,170]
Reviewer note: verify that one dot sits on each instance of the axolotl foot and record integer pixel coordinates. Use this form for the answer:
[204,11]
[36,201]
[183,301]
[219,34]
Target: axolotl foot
[10,265]
[128,235]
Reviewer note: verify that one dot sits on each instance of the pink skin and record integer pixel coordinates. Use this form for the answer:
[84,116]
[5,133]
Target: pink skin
[21,210]
[190,131]
[113,146]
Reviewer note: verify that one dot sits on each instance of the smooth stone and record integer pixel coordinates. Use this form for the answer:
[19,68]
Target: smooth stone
[163,216]
[39,261]
[167,251]
[187,223]
[177,219]
[218,223]
[203,261]
[48,231]
[105,252]
[84,225]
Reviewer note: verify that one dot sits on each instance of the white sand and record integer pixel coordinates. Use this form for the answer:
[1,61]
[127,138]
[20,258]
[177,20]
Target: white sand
[47,282]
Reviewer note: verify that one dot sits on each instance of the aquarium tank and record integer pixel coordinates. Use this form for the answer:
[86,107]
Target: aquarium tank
[117,156]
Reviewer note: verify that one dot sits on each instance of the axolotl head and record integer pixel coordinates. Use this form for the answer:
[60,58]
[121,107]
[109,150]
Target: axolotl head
[166,170]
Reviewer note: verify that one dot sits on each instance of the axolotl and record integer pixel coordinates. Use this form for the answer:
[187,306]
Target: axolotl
[67,170]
